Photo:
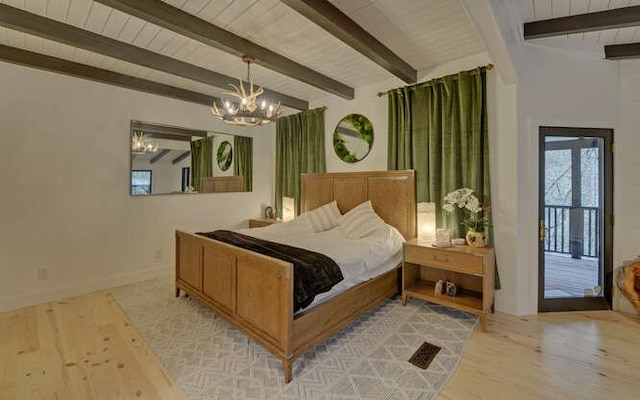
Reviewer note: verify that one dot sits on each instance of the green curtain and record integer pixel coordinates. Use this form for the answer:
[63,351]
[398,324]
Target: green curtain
[201,160]
[243,161]
[439,129]
[299,149]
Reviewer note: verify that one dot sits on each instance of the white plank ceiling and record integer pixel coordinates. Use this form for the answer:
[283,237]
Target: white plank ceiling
[424,33]
[535,10]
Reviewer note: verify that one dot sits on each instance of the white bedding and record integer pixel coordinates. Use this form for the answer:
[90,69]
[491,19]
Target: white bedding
[359,260]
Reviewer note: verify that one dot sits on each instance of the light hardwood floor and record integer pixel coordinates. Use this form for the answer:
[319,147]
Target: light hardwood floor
[79,348]
[578,355]
[86,348]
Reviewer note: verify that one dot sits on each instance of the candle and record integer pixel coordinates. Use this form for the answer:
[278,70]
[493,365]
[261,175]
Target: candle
[442,236]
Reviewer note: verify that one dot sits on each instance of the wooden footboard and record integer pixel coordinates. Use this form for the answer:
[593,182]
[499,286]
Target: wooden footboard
[251,291]
[255,294]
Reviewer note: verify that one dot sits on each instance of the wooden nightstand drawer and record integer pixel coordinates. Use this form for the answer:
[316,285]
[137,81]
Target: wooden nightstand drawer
[446,259]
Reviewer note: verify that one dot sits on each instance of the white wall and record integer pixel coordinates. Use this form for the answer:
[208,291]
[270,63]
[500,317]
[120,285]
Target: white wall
[556,87]
[64,164]
[627,178]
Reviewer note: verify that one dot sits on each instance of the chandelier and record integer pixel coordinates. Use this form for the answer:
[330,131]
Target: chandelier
[140,144]
[245,109]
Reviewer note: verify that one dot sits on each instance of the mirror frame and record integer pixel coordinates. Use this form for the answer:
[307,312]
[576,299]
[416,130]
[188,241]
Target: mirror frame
[224,163]
[341,151]
[168,132]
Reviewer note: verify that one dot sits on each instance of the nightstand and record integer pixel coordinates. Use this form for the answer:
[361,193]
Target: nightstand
[258,223]
[471,269]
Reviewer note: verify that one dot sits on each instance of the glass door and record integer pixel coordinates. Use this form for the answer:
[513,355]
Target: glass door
[575,215]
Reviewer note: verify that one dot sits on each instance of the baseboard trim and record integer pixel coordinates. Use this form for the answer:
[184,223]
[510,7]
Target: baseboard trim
[80,288]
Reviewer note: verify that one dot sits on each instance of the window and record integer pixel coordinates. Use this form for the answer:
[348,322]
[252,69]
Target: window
[185,178]
[141,181]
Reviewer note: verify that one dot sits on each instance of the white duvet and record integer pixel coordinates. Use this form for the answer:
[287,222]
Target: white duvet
[359,260]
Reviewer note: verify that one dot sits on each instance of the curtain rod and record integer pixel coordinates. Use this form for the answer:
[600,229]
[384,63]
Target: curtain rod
[489,67]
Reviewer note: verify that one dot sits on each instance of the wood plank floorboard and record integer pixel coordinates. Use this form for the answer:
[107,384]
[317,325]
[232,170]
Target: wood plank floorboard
[578,355]
[569,276]
[86,348]
[78,348]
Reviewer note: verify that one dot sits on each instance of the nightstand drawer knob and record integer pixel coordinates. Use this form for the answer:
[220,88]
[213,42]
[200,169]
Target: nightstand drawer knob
[441,259]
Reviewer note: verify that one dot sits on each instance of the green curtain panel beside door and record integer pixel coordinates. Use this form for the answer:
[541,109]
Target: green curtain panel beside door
[439,129]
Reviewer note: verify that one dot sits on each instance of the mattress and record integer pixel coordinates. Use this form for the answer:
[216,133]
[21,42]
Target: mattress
[359,260]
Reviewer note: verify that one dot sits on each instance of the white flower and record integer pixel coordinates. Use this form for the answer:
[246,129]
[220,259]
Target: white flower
[473,204]
[461,198]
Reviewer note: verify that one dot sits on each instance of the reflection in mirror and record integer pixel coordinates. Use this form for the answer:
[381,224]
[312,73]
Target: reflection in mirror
[224,155]
[174,160]
[353,138]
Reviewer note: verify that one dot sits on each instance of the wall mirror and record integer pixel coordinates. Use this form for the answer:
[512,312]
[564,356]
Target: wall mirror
[353,138]
[175,160]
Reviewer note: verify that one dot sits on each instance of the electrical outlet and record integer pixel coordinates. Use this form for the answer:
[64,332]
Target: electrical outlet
[43,273]
[158,254]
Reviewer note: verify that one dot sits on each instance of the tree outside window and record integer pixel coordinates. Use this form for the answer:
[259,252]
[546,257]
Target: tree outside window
[141,182]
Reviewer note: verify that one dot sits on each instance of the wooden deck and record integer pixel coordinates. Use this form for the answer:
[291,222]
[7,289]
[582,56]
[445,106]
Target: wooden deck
[569,277]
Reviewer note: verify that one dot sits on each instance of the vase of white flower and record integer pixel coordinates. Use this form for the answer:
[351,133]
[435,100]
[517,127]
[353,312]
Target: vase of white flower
[477,219]
[476,239]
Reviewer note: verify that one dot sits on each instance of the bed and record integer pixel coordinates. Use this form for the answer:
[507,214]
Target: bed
[255,292]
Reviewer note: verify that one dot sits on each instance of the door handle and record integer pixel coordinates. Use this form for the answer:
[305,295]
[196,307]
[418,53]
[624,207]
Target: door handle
[543,231]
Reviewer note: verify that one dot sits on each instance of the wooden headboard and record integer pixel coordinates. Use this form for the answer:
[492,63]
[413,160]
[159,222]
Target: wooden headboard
[392,194]
[221,184]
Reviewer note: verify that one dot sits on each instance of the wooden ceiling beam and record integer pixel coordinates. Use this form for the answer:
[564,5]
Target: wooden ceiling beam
[174,19]
[158,156]
[337,23]
[181,157]
[622,51]
[58,65]
[168,132]
[13,18]
[596,21]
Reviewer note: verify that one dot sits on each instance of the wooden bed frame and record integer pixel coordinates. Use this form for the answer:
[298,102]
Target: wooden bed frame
[221,184]
[255,292]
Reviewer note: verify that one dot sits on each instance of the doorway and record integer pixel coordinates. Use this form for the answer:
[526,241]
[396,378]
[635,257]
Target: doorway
[575,219]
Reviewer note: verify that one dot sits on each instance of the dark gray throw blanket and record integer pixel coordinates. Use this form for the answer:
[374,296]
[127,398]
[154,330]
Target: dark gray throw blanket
[314,273]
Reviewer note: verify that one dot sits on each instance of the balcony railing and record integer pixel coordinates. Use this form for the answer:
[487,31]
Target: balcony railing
[572,230]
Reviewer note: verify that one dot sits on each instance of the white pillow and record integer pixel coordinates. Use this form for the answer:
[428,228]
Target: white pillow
[360,221]
[323,218]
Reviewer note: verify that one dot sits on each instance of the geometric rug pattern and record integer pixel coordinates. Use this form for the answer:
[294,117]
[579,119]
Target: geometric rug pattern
[209,359]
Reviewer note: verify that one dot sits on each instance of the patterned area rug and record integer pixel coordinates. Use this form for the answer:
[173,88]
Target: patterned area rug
[209,359]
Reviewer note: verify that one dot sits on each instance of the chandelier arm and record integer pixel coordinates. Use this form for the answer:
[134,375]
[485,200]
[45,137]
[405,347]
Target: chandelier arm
[237,95]
[248,108]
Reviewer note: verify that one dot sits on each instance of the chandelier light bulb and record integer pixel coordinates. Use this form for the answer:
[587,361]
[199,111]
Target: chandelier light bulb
[245,106]
[140,144]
